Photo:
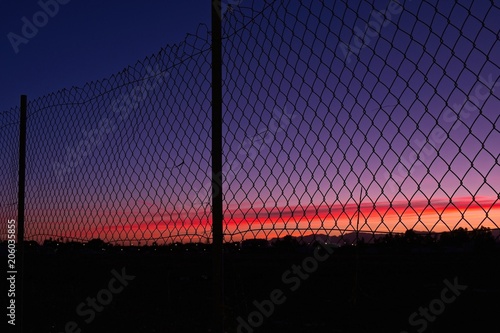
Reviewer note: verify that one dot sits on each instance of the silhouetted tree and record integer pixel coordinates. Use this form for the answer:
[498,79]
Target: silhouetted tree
[457,237]
[482,238]
[96,243]
[286,243]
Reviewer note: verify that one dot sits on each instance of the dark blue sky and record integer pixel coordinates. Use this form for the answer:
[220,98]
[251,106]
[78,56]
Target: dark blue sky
[410,115]
[87,40]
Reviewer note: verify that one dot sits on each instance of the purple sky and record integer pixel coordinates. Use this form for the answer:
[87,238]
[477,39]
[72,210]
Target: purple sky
[307,124]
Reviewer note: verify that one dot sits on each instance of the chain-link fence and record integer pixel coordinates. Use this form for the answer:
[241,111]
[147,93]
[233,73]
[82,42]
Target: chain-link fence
[359,116]
[340,117]
[119,159]
[9,129]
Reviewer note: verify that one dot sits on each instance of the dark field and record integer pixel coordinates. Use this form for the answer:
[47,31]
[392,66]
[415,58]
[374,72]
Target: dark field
[356,289]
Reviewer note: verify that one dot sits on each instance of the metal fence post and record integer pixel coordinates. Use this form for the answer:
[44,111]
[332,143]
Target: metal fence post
[20,213]
[217,216]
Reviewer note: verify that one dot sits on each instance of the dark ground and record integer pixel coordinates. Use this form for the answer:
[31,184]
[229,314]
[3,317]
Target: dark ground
[171,291]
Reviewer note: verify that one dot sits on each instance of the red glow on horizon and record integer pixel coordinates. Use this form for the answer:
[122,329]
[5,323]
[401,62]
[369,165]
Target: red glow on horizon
[421,215]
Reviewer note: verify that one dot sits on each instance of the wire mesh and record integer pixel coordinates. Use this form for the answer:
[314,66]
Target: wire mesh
[340,118]
[9,155]
[118,159]
[348,118]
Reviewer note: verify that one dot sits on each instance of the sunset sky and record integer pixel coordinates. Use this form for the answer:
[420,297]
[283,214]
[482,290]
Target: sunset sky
[408,123]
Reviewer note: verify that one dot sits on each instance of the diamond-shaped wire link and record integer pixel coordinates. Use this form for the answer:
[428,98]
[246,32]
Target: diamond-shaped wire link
[336,119]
